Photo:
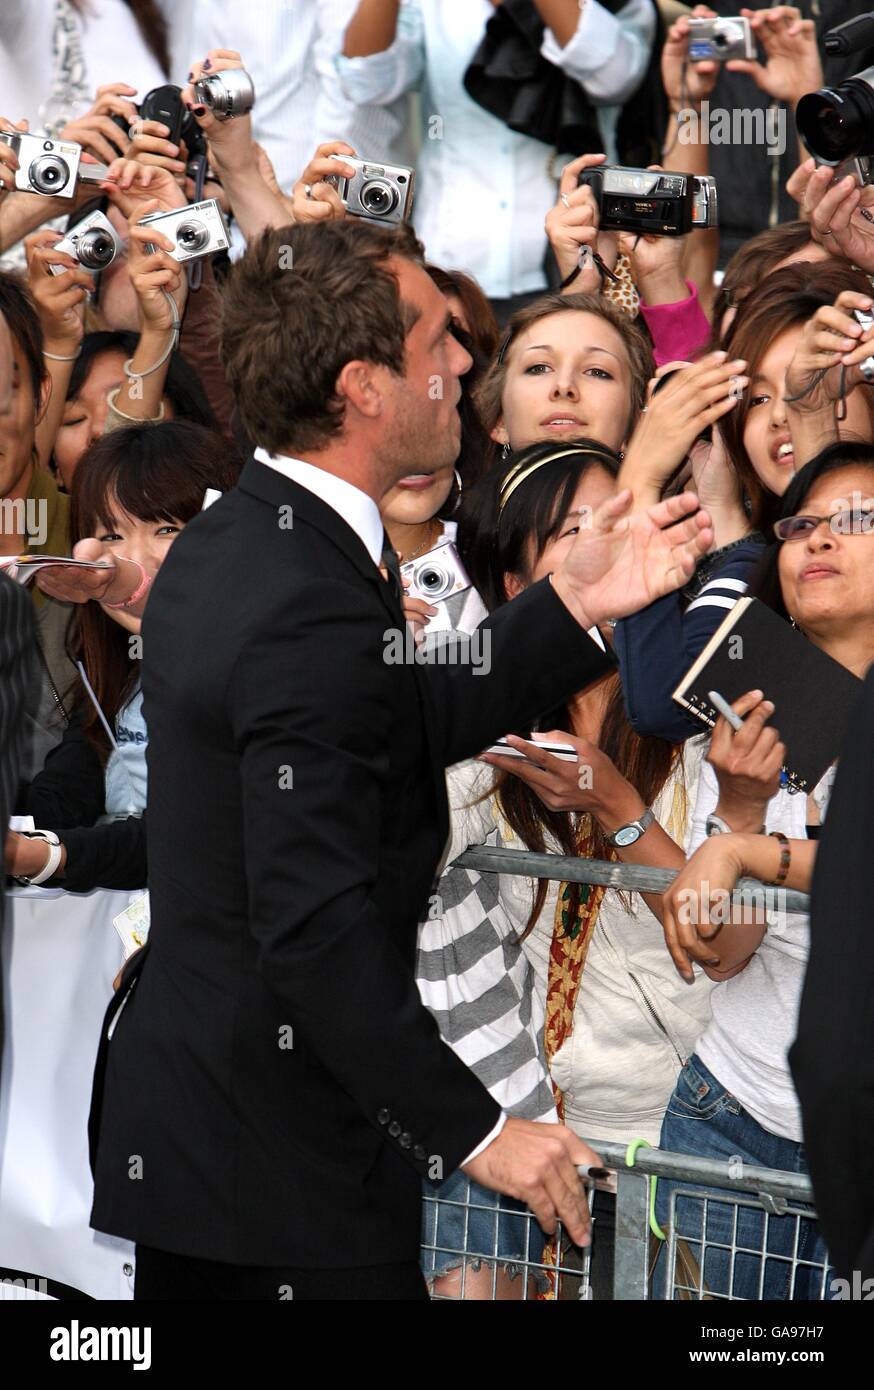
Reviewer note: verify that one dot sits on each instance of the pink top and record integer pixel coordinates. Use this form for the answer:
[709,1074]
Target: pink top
[678,330]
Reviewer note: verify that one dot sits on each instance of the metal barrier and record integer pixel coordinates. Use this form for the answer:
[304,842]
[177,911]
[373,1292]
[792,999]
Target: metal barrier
[637,878]
[753,1235]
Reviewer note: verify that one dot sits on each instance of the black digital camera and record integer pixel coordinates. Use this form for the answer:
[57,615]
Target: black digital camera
[652,202]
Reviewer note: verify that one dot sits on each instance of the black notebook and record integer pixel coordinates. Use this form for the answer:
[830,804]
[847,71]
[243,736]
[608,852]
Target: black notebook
[754,649]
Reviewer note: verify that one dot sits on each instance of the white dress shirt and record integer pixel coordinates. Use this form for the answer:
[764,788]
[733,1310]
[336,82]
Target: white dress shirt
[360,512]
[482,190]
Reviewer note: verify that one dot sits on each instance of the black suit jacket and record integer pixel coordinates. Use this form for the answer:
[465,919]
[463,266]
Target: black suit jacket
[832,1058]
[274,1089]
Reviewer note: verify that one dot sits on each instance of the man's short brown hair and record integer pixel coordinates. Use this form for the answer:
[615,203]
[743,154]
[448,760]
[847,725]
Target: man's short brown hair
[301,303]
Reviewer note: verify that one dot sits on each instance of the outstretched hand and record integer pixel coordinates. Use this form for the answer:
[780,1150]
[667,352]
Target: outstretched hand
[623,561]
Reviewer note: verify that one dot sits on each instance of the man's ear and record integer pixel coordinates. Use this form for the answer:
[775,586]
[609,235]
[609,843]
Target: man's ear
[360,385]
[513,584]
[499,433]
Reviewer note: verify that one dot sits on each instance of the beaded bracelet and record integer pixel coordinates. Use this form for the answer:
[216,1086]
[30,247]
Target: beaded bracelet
[785,858]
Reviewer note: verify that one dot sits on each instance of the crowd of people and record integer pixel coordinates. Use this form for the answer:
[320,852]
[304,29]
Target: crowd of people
[614,440]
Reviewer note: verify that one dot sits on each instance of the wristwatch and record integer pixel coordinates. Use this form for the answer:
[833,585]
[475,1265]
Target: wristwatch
[717,826]
[629,834]
[51,864]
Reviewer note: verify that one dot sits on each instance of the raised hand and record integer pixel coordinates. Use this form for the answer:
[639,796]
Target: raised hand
[59,299]
[675,417]
[698,79]
[130,185]
[792,65]
[154,272]
[324,203]
[574,223]
[625,560]
[96,131]
[840,216]
[832,338]
[230,142]
[8,158]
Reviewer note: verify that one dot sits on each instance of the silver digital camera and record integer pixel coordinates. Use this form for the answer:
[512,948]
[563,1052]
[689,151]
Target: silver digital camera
[94,243]
[436,575]
[198,230]
[380,192]
[45,166]
[227,94]
[720,40]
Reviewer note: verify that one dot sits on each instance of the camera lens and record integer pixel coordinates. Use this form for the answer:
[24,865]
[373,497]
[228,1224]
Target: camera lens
[229,93]
[378,198]
[49,174]
[720,39]
[96,250]
[836,124]
[192,236]
[434,581]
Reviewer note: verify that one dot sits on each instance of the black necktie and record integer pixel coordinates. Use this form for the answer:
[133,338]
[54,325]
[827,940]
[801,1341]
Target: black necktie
[393,569]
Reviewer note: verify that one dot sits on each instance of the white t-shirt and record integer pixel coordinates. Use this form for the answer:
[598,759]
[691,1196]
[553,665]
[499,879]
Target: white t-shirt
[755,1013]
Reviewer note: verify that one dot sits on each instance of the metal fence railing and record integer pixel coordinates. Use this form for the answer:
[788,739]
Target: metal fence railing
[731,1230]
[745,1240]
[639,878]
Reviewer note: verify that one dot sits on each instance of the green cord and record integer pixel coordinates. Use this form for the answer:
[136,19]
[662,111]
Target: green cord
[630,1156]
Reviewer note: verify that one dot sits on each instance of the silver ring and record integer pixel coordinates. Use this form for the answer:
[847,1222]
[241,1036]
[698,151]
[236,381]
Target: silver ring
[828,232]
[564,199]
[308,190]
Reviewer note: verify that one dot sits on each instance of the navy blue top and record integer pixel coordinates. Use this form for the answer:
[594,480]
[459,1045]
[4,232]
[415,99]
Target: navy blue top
[656,646]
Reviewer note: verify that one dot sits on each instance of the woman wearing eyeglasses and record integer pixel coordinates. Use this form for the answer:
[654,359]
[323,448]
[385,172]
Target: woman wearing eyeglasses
[735,1099]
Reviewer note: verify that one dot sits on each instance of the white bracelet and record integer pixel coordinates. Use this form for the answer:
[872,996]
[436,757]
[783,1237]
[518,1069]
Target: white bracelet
[56,357]
[112,399]
[51,865]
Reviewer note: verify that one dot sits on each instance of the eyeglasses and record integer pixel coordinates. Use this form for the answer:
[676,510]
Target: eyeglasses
[853,521]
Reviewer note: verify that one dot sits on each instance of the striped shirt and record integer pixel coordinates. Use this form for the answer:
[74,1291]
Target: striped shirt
[471,971]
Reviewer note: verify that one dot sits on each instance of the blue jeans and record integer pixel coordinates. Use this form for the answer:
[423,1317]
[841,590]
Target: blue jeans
[705,1119]
[464,1223]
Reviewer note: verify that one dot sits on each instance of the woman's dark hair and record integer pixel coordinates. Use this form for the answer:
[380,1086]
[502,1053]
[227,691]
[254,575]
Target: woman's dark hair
[19,311]
[152,26]
[156,473]
[495,542]
[752,261]
[480,339]
[765,584]
[182,387]
[785,300]
[482,325]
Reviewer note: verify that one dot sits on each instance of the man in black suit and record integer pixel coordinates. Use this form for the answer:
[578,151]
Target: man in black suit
[273,1091]
[832,1057]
